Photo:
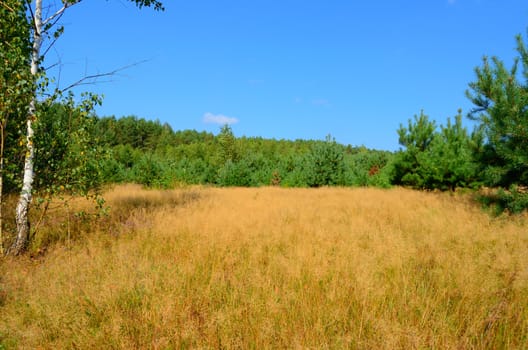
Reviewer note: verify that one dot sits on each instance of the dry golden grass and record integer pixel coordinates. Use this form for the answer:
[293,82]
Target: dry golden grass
[274,268]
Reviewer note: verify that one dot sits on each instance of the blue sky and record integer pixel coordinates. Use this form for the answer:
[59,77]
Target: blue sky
[290,68]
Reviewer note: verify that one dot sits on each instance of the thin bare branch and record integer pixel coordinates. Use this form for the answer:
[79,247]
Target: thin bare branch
[50,46]
[91,79]
[52,66]
[32,14]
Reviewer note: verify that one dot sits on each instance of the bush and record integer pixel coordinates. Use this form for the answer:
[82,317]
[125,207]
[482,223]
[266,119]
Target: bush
[368,168]
[233,174]
[433,159]
[514,200]
[151,172]
[325,164]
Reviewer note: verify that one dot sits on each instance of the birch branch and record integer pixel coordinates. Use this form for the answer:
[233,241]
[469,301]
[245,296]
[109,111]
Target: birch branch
[91,79]
[59,13]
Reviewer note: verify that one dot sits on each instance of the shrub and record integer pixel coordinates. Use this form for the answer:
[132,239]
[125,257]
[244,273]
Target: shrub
[325,164]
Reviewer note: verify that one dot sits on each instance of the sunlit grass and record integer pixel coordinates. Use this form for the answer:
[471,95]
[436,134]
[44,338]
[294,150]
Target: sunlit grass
[274,268]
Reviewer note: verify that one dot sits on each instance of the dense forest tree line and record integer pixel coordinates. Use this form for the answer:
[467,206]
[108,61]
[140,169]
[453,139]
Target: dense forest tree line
[152,154]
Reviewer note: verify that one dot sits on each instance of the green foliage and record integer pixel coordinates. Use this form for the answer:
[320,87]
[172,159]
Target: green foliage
[237,168]
[145,135]
[449,161]
[368,168]
[513,200]
[501,107]
[136,132]
[16,89]
[325,164]
[126,155]
[16,82]
[255,170]
[228,151]
[151,172]
[294,171]
[194,171]
[416,138]
[262,170]
[157,5]
[193,157]
[233,174]
[112,171]
[500,96]
[435,159]
[68,158]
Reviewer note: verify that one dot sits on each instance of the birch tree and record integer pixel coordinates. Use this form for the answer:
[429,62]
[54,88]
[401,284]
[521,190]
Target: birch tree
[16,85]
[43,31]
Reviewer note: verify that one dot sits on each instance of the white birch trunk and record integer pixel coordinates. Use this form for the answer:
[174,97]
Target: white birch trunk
[22,209]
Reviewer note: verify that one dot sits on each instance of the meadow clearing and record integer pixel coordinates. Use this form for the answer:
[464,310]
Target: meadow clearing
[272,268]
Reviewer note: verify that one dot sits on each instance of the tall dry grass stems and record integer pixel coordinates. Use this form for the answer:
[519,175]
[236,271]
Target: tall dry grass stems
[275,268]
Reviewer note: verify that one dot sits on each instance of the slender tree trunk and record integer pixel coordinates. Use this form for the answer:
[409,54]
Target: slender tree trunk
[24,201]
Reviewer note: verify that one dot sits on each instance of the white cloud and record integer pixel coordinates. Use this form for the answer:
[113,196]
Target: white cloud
[221,119]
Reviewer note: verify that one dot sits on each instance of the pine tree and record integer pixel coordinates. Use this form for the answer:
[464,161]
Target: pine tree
[500,96]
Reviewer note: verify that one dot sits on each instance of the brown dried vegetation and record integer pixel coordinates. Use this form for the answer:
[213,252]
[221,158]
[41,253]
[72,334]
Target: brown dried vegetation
[275,268]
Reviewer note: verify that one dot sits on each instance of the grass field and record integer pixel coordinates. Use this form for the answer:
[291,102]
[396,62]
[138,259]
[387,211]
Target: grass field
[272,268]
